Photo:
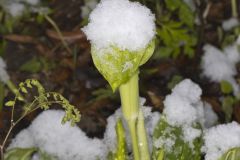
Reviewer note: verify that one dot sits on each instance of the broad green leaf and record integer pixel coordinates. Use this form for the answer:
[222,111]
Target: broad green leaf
[118,66]
[180,149]
[20,154]
[226,87]
[232,154]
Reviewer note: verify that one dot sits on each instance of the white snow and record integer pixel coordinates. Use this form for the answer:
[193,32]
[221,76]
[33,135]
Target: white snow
[228,24]
[15,9]
[183,108]
[128,65]
[219,65]
[210,116]
[64,141]
[121,23]
[4,77]
[32,2]
[220,139]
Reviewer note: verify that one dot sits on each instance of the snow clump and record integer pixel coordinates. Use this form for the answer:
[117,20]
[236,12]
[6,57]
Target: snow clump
[184,109]
[219,139]
[17,8]
[63,141]
[228,24]
[4,77]
[219,65]
[121,23]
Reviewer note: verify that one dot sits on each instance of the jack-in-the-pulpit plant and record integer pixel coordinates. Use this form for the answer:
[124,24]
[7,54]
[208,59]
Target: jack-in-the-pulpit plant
[122,39]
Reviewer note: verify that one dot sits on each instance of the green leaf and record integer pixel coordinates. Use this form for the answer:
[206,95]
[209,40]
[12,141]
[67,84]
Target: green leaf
[186,15]
[172,4]
[121,152]
[10,103]
[175,80]
[232,154]
[226,87]
[180,149]
[32,66]
[227,106]
[20,154]
[118,66]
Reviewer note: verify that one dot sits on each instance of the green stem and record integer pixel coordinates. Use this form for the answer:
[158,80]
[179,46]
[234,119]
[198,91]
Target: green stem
[234,8]
[1,95]
[142,137]
[130,107]
[12,87]
[134,138]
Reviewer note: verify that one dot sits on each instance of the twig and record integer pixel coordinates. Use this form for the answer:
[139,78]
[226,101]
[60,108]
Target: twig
[58,32]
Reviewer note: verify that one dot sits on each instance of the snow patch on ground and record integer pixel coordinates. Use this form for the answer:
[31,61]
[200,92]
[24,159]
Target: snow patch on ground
[184,108]
[228,24]
[220,139]
[127,25]
[4,77]
[63,141]
[220,65]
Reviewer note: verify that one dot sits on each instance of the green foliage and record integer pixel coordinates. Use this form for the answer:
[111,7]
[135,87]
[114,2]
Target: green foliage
[118,66]
[103,93]
[25,154]
[180,148]
[35,65]
[232,154]
[174,81]
[20,154]
[175,29]
[43,100]
[226,87]
[230,37]
[121,152]
[227,107]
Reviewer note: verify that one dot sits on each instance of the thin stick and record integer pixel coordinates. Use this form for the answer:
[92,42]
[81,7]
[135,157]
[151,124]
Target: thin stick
[58,32]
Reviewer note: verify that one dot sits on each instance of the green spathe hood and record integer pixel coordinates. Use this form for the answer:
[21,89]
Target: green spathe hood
[117,66]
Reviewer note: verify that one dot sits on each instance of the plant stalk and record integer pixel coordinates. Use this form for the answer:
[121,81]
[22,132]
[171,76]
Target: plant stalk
[142,137]
[234,8]
[13,88]
[130,107]
[129,93]
[134,138]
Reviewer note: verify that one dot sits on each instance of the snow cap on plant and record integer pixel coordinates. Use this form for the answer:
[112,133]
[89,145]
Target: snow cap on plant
[4,77]
[122,38]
